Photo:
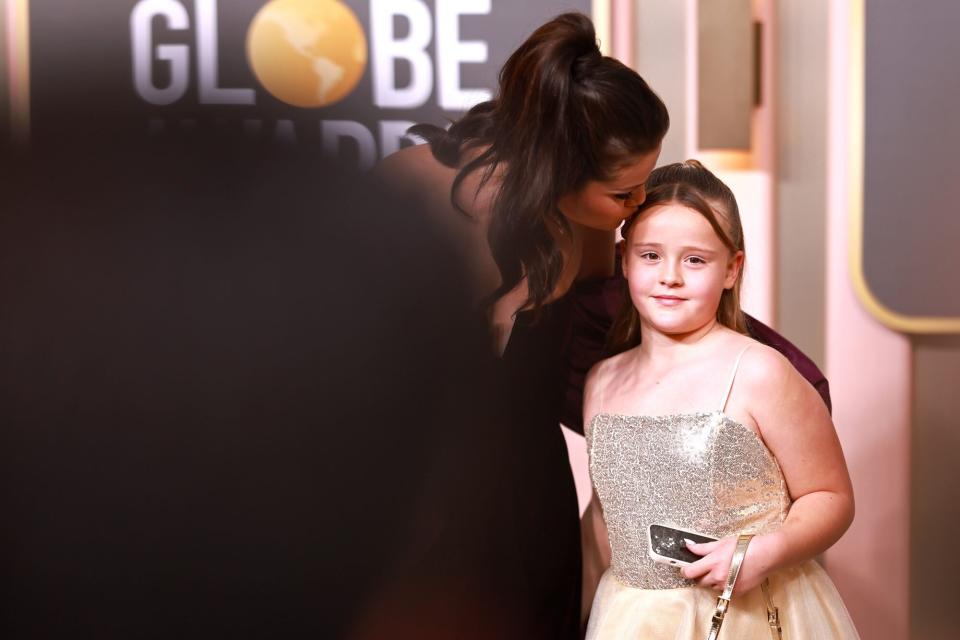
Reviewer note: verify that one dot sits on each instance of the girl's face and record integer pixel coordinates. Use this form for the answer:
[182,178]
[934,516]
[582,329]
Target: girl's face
[605,205]
[677,268]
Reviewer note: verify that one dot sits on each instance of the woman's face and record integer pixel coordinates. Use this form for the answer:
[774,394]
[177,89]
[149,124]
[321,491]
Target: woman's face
[677,268]
[605,205]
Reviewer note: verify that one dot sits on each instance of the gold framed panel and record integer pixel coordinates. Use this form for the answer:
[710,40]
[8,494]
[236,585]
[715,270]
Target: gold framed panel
[857,127]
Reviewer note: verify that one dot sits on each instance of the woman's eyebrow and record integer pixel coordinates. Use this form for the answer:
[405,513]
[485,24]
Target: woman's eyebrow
[633,188]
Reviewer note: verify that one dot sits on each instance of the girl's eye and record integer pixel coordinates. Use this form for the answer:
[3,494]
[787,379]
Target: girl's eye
[649,255]
[696,260]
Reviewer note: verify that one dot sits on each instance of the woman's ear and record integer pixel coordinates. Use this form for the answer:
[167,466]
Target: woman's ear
[733,270]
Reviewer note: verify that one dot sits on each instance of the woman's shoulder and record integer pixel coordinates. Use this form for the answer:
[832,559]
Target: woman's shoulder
[412,168]
[414,153]
[414,174]
[414,171]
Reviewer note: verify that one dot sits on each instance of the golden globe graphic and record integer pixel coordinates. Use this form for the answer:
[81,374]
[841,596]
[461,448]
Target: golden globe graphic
[307,53]
[292,70]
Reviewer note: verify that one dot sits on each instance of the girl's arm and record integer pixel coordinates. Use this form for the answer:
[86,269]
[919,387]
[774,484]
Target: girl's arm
[593,530]
[796,427]
[596,552]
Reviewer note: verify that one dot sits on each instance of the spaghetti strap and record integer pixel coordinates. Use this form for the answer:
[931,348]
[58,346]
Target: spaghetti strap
[601,389]
[733,375]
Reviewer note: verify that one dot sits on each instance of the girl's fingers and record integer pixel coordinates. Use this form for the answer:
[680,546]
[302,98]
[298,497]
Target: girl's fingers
[713,557]
[715,585]
[695,570]
[703,548]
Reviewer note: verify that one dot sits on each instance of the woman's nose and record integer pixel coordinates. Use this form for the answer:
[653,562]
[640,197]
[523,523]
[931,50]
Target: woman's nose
[636,198]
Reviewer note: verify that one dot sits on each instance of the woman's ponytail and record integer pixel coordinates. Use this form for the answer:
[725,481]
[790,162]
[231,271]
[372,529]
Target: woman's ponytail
[564,115]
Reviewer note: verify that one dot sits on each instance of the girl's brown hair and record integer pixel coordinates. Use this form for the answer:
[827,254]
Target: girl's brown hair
[691,185]
[564,115]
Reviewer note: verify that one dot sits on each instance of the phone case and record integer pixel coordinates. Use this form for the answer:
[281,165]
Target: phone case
[666,544]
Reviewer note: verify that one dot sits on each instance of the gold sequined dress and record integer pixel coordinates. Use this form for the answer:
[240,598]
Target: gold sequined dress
[702,472]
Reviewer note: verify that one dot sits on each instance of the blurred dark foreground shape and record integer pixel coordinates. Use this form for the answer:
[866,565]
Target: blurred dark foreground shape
[239,397]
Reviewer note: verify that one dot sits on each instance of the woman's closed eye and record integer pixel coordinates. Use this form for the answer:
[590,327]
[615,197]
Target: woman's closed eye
[637,194]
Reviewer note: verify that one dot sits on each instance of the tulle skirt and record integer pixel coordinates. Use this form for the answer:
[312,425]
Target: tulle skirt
[809,604]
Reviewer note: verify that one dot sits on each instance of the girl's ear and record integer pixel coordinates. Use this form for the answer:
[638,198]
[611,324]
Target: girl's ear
[733,270]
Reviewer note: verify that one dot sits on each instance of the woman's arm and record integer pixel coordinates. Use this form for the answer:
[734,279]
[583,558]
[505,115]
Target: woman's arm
[796,427]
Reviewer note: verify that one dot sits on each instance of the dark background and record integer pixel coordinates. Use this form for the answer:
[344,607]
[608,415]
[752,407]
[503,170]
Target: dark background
[81,65]
[232,389]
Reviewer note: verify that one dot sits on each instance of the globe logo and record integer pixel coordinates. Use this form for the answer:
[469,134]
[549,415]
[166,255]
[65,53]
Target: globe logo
[307,53]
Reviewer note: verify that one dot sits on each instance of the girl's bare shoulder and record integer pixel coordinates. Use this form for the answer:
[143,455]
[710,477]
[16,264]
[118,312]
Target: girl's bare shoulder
[763,365]
[608,368]
[775,388]
[598,379]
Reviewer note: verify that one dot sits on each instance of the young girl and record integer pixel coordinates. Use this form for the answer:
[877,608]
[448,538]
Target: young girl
[697,426]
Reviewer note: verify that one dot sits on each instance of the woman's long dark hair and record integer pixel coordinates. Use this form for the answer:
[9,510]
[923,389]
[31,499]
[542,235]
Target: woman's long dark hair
[564,115]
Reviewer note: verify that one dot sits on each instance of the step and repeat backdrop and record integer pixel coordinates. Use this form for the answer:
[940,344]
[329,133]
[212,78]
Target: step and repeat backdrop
[350,75]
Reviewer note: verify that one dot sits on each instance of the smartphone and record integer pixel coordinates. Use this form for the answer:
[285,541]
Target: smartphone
[667,545]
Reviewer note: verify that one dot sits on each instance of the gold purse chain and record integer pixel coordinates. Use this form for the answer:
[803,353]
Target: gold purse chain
[723,601]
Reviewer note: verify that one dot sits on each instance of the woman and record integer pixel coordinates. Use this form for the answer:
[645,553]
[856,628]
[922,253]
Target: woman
[531,187]
[535,182]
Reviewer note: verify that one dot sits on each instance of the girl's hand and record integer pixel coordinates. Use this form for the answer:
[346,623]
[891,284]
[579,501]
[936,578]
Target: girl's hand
[712,569]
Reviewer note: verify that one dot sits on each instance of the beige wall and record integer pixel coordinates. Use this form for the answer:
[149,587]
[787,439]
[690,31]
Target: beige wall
[725,78]
[661,52]
[889,432]
[801,125]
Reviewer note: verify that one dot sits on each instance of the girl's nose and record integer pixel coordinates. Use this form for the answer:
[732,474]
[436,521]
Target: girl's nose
[670,275]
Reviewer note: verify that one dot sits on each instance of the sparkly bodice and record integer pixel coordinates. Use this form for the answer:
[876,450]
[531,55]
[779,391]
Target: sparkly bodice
[702,472]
